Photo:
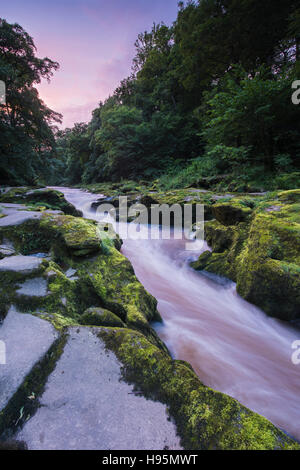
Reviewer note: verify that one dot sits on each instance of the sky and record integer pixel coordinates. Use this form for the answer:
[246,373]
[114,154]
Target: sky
[93,41]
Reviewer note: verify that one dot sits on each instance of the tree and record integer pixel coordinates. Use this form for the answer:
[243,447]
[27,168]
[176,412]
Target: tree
[255,115]
[213,35]
[26,123]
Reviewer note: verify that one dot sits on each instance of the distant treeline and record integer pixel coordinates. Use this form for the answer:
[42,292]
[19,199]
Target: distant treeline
[208,96]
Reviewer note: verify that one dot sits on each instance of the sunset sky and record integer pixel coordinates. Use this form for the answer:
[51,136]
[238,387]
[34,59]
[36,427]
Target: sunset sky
[93,41]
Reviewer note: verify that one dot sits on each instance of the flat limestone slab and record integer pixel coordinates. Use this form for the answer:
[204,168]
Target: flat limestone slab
[27,339]
[17,214]
[20,264]
[36,287]
[85,406]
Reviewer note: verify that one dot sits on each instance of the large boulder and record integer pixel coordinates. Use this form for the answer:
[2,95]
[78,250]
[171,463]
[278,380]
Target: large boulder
[261,253]
[86,405]
[232,212]
[97,316]
[80,236]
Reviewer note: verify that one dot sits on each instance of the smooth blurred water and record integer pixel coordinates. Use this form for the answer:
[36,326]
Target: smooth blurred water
[233,346]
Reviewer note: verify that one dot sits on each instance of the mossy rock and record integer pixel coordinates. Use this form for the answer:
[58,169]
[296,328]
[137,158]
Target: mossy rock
[112,277]
[202,261]
[218,236]
[273,285]
[44,198]
[290,196]
[80,236]
[261,254]
[101,317]
[205,419]
[231,213]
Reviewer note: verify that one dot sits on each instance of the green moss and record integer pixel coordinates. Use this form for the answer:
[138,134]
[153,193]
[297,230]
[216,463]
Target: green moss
[113,279]
[81,236]
[101,317]
[233,212]
[218,236]
[41,198]
[29,237]
[290,196]
[59,321]
[205,419]
[261,254]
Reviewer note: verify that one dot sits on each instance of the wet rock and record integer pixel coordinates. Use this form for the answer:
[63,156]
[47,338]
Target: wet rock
[86,406]
[205,419]
[27,339]
[101,317]
[202,261]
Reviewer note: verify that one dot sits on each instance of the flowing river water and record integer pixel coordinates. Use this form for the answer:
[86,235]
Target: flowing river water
[233,346]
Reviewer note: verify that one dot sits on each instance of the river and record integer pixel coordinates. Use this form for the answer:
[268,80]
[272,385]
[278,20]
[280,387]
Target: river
[233,346]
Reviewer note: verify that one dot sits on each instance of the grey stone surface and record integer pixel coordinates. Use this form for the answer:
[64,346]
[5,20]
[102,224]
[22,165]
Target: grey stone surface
[17,214]
[21,264]
[7,248]
[36,287]
[70,274]
[27,339]
[86,406]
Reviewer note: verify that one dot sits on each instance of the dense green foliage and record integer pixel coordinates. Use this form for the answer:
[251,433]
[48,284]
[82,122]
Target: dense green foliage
[27,141]
[207,96]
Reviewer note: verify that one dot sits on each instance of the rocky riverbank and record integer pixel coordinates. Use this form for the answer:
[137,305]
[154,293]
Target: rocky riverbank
[254,240]
[84,367]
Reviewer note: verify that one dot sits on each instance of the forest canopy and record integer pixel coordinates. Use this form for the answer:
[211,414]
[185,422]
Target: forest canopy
[208,95]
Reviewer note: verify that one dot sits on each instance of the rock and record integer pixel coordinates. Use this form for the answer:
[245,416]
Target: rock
[47,197]
[101,317]
[219,236]
[292,196]
[205,419]
[261,254]
[36,287]
[13,445]
[18,217]
[112,278]
[86,406]
[18,214]
[230,213]
[202,261]
[147,201]
[81,236]
[6,249]
[70,273]
[27,339]
[23,265]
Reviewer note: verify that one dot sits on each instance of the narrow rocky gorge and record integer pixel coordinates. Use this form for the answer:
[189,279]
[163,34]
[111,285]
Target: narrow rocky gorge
[82,356]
